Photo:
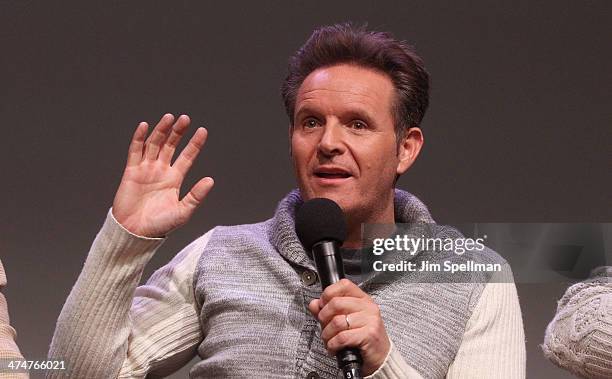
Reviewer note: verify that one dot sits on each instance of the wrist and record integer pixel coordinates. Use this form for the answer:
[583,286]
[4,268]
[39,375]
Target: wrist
[135,232]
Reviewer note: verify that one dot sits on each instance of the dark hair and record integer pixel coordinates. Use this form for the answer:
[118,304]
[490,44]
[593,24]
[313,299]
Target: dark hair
[345,43]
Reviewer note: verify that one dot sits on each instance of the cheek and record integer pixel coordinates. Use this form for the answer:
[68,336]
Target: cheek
[299,154]
[375,159]
[377,168]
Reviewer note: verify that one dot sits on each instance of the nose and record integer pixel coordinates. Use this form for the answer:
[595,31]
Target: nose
[331,142]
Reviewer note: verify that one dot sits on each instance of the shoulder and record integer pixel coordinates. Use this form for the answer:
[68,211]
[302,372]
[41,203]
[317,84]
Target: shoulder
[241,232]
[2,275]
[220,236]
[239,237]
[236,242]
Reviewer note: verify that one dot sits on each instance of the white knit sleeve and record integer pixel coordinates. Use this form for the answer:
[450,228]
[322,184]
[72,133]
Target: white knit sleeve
[493,344]
[165,328]
[8,346]
[579,338]
[109,327]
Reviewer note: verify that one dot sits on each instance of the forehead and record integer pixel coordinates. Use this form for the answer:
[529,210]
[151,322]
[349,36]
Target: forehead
[345,85]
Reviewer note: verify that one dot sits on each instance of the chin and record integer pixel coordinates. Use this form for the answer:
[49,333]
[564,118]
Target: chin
[344,201]
[328,193]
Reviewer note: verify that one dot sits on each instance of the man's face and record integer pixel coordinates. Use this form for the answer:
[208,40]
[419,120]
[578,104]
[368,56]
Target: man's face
[343,141]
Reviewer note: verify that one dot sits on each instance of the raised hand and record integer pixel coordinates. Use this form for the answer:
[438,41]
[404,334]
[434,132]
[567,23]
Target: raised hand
[147,202]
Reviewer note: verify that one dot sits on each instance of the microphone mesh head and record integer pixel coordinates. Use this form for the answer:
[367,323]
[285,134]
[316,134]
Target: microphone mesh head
[318,220]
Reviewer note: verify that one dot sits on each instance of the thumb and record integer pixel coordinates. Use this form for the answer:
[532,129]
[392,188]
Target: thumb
[197,194]
[314,307]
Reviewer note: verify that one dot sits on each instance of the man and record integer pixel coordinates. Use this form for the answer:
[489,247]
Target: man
[246,298]
[8,347]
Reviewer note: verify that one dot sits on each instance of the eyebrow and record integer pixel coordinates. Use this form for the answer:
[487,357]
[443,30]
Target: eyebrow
[351,114]
[306,109]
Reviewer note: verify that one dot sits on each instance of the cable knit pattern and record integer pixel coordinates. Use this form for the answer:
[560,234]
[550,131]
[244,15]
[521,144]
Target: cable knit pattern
[579,338]
[8,347]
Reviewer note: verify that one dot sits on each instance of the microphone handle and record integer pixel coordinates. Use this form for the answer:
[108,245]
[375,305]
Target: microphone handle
[328,261]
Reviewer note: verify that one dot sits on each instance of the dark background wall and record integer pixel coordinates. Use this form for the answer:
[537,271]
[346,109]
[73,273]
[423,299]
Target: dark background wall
[518,129]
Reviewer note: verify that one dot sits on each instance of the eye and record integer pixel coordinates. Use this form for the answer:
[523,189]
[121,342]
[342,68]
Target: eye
[310,123]
[358,125]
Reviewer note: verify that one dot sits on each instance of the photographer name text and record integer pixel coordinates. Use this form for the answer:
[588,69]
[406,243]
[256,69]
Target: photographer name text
[445,266]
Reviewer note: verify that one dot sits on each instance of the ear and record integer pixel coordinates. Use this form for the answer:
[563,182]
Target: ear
[409,149]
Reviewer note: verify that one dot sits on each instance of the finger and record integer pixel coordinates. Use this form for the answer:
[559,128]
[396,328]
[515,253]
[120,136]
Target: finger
[314,307]
[197,194]
[347,338]
[185,160]
[176,133]
[341,306]
[338,324]
[158,137]
[135,149]
[342,288]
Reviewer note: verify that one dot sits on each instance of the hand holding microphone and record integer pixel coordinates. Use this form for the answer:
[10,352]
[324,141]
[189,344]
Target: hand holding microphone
[352,326]
[350,318]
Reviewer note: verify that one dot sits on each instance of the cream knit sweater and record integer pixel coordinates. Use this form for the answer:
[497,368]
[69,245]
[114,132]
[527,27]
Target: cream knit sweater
[579,338]
[8,347]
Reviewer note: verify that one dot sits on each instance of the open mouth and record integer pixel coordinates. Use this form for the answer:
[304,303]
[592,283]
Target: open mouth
[329,175]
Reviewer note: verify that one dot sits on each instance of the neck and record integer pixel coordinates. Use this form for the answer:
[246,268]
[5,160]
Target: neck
[385,215]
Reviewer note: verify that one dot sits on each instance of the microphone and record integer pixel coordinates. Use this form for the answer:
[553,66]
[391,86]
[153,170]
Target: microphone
[320,226]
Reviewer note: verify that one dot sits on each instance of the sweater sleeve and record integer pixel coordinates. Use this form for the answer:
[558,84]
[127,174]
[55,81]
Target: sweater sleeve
[109,328]
[493,343]
[579,338]
[8,347]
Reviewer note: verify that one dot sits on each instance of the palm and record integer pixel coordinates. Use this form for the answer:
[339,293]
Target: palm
[147,202]
[149,196]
